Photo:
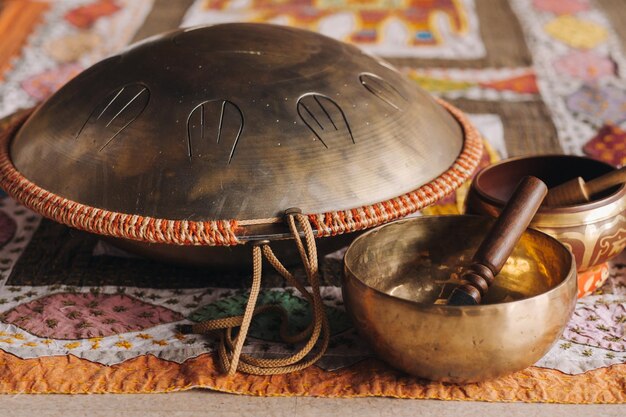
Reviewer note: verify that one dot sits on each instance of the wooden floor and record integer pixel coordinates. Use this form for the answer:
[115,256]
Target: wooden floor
[197,403]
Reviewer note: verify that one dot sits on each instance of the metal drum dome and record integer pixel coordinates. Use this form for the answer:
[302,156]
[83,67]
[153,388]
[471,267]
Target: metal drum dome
[204,136]
[210,136]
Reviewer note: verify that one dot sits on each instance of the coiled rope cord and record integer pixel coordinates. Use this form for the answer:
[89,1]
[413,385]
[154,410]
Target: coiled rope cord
[229,350]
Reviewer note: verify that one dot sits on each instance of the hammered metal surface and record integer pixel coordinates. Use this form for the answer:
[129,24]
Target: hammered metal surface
[236,121]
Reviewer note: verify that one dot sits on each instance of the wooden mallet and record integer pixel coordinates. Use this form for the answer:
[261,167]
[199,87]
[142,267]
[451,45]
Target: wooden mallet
[577,191]
[497,246]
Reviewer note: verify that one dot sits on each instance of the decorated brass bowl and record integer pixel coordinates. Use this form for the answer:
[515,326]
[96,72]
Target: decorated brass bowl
[394,274]
[594,231]
[205,136]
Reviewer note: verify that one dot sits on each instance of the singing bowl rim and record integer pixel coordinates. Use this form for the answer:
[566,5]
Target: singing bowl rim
[233,232]
[596,210]
[478,307]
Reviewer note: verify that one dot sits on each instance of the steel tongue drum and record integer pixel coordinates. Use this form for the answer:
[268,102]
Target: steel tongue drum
[203,138]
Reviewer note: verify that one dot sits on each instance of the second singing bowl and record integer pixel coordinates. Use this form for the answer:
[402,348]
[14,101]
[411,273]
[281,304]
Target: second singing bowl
[395,273]
[595,231]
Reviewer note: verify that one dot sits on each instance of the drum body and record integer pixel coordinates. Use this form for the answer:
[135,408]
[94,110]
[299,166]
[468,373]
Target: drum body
[205,136]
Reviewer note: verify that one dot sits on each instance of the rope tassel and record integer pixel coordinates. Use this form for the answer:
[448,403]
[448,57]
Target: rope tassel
[230,350]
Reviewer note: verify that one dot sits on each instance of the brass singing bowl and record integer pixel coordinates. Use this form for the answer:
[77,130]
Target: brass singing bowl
[395,273]
[595,231]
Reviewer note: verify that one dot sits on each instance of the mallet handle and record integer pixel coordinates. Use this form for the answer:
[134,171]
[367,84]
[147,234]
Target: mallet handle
[606,181]
[500,241]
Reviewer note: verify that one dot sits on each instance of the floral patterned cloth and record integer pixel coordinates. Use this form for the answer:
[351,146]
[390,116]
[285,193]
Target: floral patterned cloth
[576,55]
[117,334]
[441,29]
[71,36]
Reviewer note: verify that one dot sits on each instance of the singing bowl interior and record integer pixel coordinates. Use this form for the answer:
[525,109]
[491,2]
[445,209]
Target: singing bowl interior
[393,275]
[497,182]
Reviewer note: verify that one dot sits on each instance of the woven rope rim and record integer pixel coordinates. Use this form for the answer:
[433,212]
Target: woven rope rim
[224,232]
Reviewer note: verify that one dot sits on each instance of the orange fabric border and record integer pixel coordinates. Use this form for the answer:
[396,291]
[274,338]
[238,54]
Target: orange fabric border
[148,374]
[17,20]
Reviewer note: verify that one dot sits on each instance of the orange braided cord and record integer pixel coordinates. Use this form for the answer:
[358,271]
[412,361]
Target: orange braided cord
[230,351]
[344,221]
